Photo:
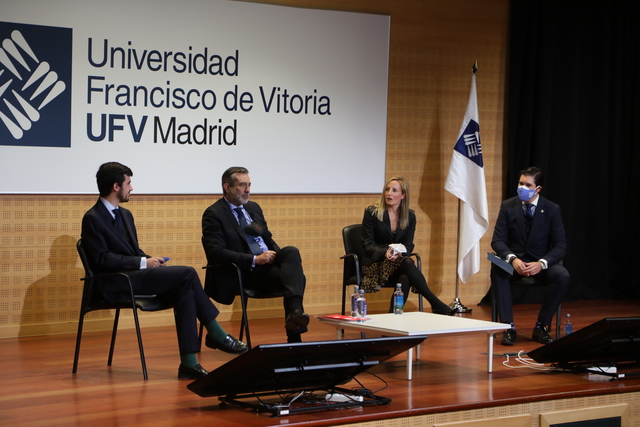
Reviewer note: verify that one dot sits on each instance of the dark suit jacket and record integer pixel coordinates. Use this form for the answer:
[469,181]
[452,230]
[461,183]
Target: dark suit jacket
[546,239]
[377,235]
[107,248]
[224,242]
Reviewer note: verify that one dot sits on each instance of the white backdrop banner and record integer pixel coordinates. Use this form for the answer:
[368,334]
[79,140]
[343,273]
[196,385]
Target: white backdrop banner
[180,91]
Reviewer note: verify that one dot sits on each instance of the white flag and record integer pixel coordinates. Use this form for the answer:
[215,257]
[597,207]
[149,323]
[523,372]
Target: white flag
[465,180]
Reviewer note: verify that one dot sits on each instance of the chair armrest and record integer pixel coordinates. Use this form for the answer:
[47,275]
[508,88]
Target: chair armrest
[105,275]
[418,259]
[229,265]
[121,274]
[225,265]
[355,267]
[354,256]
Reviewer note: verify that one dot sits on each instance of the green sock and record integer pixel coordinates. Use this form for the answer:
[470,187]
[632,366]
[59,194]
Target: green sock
[215,331]
[189,360]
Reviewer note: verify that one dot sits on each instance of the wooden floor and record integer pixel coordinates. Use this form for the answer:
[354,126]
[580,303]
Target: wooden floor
[38,389]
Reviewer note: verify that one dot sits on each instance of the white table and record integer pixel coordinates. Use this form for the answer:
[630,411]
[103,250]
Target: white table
[418,323]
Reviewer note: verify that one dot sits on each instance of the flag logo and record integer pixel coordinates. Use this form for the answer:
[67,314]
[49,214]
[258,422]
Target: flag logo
[35,85]
[469,143]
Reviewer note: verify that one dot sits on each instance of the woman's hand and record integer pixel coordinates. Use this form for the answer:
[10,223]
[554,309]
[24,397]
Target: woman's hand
[392,255]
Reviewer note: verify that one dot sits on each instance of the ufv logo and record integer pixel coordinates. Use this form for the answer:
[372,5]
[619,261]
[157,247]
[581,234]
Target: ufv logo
[469,143]
[35,85]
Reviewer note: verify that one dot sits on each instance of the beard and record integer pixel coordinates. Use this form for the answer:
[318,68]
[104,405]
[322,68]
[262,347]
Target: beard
[122,197]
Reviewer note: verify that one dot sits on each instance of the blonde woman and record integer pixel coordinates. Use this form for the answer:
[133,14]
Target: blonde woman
[387,222]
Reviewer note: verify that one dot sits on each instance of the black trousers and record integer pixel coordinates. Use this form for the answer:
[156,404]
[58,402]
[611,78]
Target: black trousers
[182,286]
[285,275]
[407,274]
[556,277]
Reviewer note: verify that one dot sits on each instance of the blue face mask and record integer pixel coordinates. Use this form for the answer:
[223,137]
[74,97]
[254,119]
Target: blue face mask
[526,194]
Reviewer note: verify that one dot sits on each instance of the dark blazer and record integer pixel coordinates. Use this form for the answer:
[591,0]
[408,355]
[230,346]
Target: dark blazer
[546,239]
[377,235]
[107,248]
[110,250]
[223,241]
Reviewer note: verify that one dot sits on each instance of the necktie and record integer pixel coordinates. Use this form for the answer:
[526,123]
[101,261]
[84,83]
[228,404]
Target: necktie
[253,245]
[528,216]
[119,222]
[528,210]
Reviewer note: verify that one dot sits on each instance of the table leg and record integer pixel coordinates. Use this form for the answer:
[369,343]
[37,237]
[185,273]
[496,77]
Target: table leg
[409,363]
[490,352]
[338,334]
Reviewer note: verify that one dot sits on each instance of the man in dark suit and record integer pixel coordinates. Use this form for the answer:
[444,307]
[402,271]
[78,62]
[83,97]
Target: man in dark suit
[234,231]
[529,234]
[110,239]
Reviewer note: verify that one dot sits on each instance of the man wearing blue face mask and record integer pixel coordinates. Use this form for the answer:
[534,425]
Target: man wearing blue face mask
[530,235]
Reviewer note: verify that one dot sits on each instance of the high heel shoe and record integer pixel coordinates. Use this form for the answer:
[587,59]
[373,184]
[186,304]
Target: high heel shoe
[445,310]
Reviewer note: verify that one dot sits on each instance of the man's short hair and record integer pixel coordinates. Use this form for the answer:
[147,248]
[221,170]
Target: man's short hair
[228,175]
[536,173]
[110,173]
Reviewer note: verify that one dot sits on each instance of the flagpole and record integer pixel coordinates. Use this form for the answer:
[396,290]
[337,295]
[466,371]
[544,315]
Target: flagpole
[456,305]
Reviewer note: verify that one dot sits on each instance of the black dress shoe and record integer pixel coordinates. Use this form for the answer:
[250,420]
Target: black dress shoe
[444,309]
[297,319]
[185,373]
[230,345]
[509,337]
[294,338]
[541,335]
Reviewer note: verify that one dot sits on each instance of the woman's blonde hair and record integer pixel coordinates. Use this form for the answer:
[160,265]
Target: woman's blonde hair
[403,210]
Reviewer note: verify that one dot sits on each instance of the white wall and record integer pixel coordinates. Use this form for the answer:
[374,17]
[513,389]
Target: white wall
[337,59]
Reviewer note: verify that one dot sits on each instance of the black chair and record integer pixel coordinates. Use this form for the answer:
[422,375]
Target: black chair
[92,300]
[244,293]
[354,252]
[523,281]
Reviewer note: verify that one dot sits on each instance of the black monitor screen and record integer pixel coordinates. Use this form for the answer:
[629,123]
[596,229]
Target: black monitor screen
[609,340]
[301,366]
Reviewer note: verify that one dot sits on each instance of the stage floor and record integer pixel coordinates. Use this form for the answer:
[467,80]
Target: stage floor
[37,387]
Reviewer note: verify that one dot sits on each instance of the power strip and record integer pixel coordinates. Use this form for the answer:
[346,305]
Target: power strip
[339,397]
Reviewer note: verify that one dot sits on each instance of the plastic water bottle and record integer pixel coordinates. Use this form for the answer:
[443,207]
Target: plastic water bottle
[567,326]
[399,300]
[354,302]
[361,306]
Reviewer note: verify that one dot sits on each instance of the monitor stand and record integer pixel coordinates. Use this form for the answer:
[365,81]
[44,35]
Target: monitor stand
[615,370]
[302,401]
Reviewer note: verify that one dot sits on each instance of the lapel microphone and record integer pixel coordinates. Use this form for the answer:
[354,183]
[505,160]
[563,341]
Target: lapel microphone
[254,229]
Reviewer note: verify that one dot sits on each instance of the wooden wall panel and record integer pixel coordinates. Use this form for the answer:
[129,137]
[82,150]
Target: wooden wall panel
[433,46]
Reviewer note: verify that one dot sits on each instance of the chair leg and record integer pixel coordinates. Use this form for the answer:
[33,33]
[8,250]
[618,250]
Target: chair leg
[78,338]
[139,334]
[494,306]
[244,326]
[241,335]
[344,298]
[344,303]
[558,320]
[113,336]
